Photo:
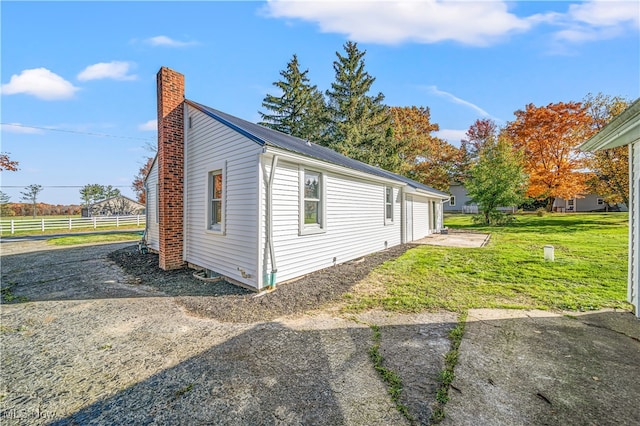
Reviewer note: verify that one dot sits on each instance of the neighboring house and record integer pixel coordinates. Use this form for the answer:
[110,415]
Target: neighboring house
[459,202]
[114,206]
[259,207]
[586,203]
[624,129]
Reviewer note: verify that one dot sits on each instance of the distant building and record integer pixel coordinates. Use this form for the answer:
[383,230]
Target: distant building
[461,203]
[114,206]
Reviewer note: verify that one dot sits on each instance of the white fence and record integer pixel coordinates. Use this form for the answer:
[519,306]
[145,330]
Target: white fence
[14,225]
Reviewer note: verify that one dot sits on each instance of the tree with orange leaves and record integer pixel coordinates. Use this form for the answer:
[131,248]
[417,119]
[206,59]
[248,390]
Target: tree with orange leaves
[6,163]
[548,137]
[138,181]
[424,157]
[610,167]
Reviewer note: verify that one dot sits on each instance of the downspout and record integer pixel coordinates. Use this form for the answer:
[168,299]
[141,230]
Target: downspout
[271,277]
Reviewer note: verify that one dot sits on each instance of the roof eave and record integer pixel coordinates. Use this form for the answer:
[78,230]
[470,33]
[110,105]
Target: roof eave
[624,129]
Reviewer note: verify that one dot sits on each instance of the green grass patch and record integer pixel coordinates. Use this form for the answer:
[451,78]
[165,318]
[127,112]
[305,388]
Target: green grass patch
[391,379]
[590,271]
[447,375]
[93,238]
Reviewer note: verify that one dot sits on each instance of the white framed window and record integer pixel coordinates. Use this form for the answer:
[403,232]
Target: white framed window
[388,205]
[312,202]
[600,201]
[216,200]
[452,201]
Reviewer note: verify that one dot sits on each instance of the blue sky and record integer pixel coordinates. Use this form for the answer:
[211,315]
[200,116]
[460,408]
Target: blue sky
[78,79]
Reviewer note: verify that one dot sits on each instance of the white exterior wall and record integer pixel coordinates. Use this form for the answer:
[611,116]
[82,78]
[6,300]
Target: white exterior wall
[633,292]
[211,145]
[355,224]
[153,230]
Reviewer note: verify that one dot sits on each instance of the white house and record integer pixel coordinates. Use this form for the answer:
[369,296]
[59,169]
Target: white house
[624,129]
[260,207]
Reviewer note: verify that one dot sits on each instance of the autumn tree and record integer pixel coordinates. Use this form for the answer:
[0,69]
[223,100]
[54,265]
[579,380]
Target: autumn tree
[548,137]
[30,194]
[138,181]
[424,157]
[299,110]
[482,133]
[610,167]
[359,122]
[6,163]
[496,179]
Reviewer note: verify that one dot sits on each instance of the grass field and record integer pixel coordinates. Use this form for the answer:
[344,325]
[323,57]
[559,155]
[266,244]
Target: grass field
[589,272]
[100,238]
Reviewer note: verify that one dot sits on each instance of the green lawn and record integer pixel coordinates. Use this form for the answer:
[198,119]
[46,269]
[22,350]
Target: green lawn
[590,271]
[99,238]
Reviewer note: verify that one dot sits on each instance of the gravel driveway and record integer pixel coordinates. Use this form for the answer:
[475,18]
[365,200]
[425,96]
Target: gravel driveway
[97,345]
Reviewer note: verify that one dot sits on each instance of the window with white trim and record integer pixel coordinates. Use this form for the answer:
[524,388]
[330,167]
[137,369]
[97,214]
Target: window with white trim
[215,201]
[388,204]
[312,202]
[452,201]
[600,201]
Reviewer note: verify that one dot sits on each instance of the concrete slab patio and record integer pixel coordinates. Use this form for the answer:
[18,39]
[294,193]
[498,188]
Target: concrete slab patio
[545,368]
[455,239]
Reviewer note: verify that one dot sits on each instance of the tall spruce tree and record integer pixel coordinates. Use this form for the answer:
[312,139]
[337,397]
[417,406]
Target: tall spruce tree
[300,110]
[359,123]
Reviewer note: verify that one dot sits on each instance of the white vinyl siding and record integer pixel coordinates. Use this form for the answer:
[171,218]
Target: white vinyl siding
[354,222]
[235,251]
[153,229]
[633,292]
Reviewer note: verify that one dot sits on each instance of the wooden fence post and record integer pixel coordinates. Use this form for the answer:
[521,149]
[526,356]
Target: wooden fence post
[12,227]
[42,224]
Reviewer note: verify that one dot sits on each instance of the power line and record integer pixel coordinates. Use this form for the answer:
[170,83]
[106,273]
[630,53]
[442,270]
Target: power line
[104,135]
[61,186]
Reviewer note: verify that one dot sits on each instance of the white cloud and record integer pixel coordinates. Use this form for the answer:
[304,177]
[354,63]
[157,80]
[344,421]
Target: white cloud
[151,125]
[597,20]
[452,136]
[116,70]
[456,100]
[164,41]
[474,23]
[41,83]
[20,128]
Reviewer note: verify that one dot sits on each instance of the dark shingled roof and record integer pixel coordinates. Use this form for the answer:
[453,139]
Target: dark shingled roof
[265,136]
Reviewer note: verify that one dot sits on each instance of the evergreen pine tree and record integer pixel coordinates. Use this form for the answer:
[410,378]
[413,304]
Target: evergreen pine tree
[300,109]
[359,123]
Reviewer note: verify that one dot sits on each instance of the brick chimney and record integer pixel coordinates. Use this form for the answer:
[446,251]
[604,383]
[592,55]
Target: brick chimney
[171,167]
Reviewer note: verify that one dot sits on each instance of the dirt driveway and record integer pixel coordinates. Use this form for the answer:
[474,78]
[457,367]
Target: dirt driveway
[94,345]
